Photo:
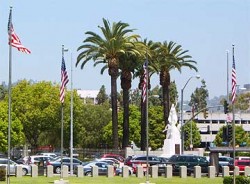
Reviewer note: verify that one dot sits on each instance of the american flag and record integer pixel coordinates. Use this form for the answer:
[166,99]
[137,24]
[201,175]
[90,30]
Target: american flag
[233,80]
[64,80]
[14,40]
[145,81]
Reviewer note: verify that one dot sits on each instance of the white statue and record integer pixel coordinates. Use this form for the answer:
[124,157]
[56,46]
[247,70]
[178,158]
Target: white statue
[172,132]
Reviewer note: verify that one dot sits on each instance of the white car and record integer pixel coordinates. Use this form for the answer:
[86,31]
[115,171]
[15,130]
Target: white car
[53,155]
[26,169]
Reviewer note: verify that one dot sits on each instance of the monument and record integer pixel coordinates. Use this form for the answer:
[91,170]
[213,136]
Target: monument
[173,136]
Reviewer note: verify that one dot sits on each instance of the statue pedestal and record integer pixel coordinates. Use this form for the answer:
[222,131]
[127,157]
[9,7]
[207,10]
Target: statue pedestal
[171,147]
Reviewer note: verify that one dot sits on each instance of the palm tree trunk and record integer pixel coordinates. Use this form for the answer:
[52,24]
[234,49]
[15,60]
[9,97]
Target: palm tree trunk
[114,110]
[125,140]
[165,95]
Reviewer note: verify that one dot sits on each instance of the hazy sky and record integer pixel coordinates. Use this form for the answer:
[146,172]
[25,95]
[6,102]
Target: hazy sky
[207,28]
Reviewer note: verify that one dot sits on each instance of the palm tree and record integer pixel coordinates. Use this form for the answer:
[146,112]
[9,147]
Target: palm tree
[150,56]
[108,49]
[128,63]
[170,57]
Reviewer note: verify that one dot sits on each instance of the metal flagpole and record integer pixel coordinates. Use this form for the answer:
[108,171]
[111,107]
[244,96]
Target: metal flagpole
[61,175]
[233,100]
[9,93]
[71,121]
[147,142]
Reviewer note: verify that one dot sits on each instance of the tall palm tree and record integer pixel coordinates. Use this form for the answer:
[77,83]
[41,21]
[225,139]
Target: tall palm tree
[170,57]
[108,49]
[128,63]
[150,55]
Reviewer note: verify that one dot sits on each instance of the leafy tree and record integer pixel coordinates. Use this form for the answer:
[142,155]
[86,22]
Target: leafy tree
[156,126]
[3,91]
[102,96]
[240,136]
[199,97]
[194,135]
[108,50]
[242,101]
[90,129]
[17,136]
[38,108]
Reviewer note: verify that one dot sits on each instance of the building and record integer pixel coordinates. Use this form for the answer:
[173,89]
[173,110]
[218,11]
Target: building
[210,126]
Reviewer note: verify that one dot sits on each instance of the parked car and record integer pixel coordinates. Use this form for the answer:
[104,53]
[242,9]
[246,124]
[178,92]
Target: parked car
[35,159]
[152,160]
[224,161]
[102,168]
[118,157]
[240,163]
[26,169]
[119,171]
[56,163]
[189,161]
[53,155]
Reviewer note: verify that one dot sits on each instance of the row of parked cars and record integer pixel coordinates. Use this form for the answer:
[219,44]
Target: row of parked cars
[131,161]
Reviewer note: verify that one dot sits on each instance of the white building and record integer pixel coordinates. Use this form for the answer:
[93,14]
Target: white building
[88,95]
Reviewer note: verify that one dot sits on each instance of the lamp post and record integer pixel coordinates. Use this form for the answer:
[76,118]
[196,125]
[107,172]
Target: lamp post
[182,132]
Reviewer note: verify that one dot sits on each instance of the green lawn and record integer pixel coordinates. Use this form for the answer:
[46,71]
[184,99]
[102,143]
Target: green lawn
[116,180]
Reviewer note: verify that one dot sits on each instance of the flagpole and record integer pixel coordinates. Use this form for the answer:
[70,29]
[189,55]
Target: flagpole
[147,137]
[61,175]
[9,93]
[71,121]
[233,100]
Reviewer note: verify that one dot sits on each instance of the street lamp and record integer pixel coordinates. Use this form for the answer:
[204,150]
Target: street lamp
[182,132]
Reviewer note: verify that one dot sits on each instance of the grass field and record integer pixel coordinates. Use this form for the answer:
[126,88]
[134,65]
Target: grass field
[116,180]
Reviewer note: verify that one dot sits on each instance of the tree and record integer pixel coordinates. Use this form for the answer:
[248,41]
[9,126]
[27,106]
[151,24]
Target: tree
[199,97]
[191,132]
[240,136]
[38,108]
[107,50]
[140,72]
[134,126]
[242,101]
[17,136]
[102,96]
[90,129]
[170,57]
[128,63]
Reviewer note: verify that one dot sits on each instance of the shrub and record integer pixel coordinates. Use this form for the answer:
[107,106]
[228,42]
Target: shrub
[238,180]
[2,173]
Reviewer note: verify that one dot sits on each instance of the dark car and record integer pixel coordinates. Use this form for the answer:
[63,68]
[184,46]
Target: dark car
[224,161]
[189,161]
[66,161]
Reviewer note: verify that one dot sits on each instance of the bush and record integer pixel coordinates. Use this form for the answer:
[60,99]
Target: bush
[238,180]
[2,173]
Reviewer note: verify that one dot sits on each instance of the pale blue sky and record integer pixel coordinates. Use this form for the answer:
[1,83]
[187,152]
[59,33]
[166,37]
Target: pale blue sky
[207,28]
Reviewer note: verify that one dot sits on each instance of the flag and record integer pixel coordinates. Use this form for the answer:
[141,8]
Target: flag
[233,80]
[64,80]
[14,40]
[145,81]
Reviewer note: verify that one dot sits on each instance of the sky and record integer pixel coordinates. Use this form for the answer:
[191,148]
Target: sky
[207,28]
